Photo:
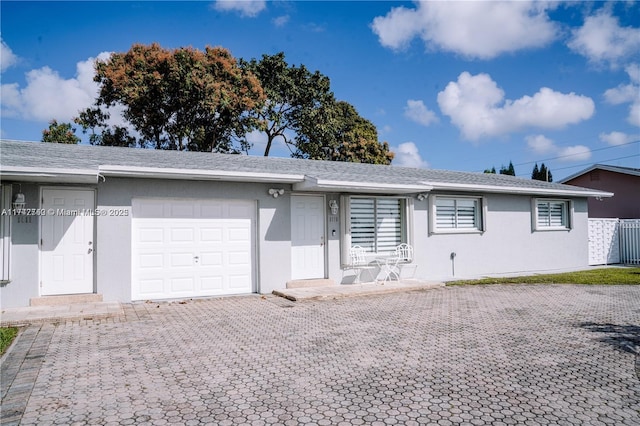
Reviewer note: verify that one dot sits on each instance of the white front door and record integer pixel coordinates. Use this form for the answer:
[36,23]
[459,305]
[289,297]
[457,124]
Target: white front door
[192,248]
[66,241]
[307,237]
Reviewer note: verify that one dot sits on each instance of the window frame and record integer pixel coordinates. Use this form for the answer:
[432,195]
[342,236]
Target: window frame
[480,214]
[567,214]
[406,223]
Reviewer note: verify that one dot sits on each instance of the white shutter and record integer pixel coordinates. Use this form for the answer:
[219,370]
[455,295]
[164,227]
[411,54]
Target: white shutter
[445,213]
[466,213]
[388,224]
[363,223]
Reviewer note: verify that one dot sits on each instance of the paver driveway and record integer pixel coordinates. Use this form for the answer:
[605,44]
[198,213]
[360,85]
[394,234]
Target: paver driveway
[463,355]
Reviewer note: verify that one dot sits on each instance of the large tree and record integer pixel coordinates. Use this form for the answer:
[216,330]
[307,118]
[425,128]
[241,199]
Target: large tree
[180,99]
[337,132]
[60,133]
[293,95]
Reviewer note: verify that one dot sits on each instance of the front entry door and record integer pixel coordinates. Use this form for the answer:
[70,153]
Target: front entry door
[307,237]
[66,241]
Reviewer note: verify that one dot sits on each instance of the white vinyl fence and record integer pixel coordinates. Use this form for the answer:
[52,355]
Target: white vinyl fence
[614,241]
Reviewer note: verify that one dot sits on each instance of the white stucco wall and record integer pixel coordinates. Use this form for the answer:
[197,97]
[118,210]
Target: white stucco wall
[508,245]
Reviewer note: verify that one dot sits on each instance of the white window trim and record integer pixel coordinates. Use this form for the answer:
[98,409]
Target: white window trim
[534,214]
[345,223]
[482,211]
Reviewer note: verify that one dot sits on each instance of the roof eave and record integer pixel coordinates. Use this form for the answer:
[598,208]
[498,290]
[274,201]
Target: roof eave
[33,174]
[519,190]
[189,174]
[323,185]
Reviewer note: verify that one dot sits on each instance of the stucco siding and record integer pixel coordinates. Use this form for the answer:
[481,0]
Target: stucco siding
[508,244]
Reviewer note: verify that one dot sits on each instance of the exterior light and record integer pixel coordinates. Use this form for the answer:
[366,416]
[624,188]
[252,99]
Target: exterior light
[333,205]
[19,201]
[276,192]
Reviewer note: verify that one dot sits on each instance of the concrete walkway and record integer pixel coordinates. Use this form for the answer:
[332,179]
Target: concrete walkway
[106,310]
[351,290]
[61,313]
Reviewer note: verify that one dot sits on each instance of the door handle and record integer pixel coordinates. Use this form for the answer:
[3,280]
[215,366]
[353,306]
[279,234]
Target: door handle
[89,251]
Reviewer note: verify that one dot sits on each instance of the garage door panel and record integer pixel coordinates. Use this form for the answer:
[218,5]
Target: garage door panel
[181,235]
[182,285]
[212,283]
[200,248]
[214,258]
[211,234]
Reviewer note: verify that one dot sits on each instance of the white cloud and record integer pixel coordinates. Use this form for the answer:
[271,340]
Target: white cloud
[601,39]
[246,8]
[628,93]
[281,21]
[47,95]
[7,57]
[477,29]
[476,105]
[418,112]
[540,144]
[574,153]
[616,138]
[407,155]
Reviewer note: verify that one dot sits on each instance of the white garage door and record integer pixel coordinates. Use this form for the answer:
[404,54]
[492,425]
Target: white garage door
[191,248]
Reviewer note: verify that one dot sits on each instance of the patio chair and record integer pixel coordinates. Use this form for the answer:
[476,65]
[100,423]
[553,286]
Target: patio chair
[404,253]
[358,262]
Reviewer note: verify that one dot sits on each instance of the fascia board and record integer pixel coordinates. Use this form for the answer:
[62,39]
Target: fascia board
[38,174]
[314,184]
[222,175]
[519,190]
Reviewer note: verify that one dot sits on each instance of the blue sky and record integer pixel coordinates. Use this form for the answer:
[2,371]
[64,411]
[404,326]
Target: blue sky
[450,85]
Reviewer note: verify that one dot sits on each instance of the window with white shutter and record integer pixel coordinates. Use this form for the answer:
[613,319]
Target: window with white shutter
[377,224]
[457,214]
[552,214]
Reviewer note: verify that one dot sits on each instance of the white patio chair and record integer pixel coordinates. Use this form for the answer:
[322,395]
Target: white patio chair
[404,253]
[358,262]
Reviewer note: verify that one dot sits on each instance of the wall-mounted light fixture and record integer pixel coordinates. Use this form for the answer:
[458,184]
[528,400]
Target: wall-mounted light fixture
[19,201]
[276,192]
[333,206]
[421,197]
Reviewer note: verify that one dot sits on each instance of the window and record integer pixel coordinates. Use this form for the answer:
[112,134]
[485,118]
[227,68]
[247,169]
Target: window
[552,214]
[457,214]
[377,224]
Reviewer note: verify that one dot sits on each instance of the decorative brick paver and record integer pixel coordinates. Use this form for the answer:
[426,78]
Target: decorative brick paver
[484,355]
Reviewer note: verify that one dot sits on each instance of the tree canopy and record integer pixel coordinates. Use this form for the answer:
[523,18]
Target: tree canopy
[60,133]
[343,136]
[292,92]
[542,173]
[186,99]
[180,99]
[510,170]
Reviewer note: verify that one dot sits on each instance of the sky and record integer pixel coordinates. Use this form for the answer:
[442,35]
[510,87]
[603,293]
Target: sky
[459,85]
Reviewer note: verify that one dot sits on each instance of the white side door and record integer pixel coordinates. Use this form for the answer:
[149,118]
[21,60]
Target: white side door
[307,237]
[66,241]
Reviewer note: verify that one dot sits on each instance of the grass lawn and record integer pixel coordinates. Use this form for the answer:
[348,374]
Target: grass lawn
[606,276]
[7,334]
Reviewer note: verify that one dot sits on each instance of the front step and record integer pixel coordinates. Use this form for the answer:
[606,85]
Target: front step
[321,282]
[67,299]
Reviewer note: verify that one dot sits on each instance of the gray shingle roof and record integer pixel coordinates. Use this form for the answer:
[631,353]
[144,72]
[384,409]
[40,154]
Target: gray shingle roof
[43,156]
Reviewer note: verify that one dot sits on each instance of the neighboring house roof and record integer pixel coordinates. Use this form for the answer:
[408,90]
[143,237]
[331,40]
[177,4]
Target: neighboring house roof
[616,169]
[42,162]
